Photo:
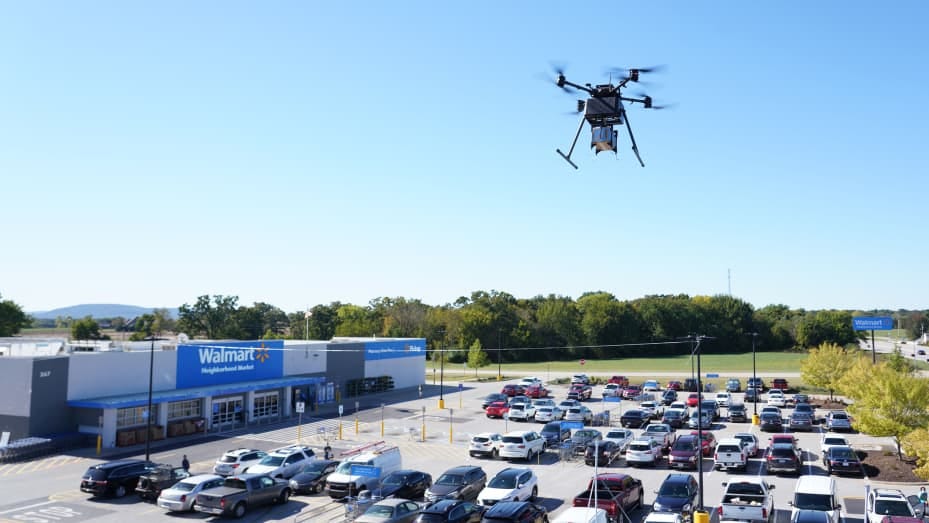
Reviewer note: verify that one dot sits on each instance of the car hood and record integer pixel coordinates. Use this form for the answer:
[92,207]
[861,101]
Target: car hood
[443,490]
[671,503]
[495,493]
[683,453]
[306,477]
[385,491]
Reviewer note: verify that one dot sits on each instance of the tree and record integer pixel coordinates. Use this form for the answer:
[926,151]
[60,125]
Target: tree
[86,329]
[826,326]
[214,320]
[887,402]
[825,366]
[916,444]
[357,321]
[12,318]
[477,358]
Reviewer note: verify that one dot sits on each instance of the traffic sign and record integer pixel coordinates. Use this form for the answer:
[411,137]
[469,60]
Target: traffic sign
[300,407]
[873,323]
[460,387]
[341,409]
[712,375]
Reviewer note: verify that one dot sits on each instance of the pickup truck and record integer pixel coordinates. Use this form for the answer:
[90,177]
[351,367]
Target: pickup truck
[730,454]
[241,492]
[748,499]
[660,432]
[615,493]
[161,477]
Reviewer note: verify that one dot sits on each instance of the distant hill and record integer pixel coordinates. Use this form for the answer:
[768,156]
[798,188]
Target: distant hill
[97,310]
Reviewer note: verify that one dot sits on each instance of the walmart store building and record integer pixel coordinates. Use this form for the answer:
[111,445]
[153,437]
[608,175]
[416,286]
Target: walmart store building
[197,386]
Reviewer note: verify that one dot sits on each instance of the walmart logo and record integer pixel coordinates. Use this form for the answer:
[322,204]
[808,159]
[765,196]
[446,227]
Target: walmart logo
[262,354]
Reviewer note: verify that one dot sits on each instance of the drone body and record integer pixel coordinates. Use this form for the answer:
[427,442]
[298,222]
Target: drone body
[603,110]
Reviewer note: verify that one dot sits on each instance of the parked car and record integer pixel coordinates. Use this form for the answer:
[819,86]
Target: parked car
[651,386]
[771,422]
[690,385]
[632,392]
[882,502]
[580,378]
[451,511]
[521,412]
[622,437]
[485,444]
[733,385]
[611,390]
[497,409]
[677,494]
[567,404]
[660,432]
[780,383]
[510,484]
[841,459]
[616,494]
[602,453]
[580,413]
[643,451]
[283,462]
[583,437]
[800,421]
[520,399]
[723,399]
[546,414]
[496,396]
[730,454]
[788,439]
[239,493]
[462,483]
[674,385]
[838,420]
[652,407]
[311,479]
[704,420]
[235,461]
[692,399]
[537,391]
[513,389]
[782,457]
[674,417]
[776,400]
[737,413]
[755,383]
[684,453]
[114,478]
[831,440]
[407,484]
[529,381]
[523,444]
[543,402]
[752,395]
[635,418]
[622,381]
[708,443]
[180,497]
[157,479]
[580,392]
[393,510]
[555,433]
[668,397]
[516,512]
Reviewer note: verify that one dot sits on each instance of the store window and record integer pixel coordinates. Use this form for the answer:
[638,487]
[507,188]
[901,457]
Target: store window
[184,409]
[266,405]
[134,416]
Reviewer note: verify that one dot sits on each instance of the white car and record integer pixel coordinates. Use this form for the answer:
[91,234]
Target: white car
[528,381]
[653,407]
[777,400]
[622,437]
[651,386]
[524,444]
[546,414]
[543,402]
[771,408]
[749,443]
[567,404]
[723,399]
[284,462]
[643,451]
[485,444]
[831,440]
[234,462]
[611,390]
[580,413]
[680,405]
[521,412]
[660,432]
[510,484]
[181,496]
[887,502]
[663,517]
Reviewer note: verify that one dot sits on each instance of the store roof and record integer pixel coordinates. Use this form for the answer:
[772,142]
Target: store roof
[164,396]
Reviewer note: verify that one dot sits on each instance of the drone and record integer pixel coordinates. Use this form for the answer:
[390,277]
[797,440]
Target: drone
[604,109]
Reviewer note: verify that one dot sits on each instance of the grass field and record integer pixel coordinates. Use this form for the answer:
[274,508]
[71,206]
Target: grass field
[721,363]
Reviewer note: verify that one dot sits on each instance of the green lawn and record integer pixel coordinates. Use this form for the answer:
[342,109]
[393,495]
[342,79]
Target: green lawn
[719,363]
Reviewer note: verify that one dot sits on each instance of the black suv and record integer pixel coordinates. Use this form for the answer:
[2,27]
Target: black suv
[678,494]
[515,512]
[464,482]
[406,484]
[451,511]
[737,413]
[115,478]
[555,434]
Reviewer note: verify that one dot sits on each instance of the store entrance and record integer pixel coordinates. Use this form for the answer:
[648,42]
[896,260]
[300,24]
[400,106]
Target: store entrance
[228,412]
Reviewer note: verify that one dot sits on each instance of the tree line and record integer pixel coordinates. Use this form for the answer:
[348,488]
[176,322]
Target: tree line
[596,325]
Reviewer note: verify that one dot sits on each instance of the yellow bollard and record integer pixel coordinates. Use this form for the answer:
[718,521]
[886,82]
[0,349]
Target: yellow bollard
[499,377]
[450,436]
[424,433]
[701,516]
[356,425]
[340,430]
[99,443]
[756,420]
[382,428]
[441,404]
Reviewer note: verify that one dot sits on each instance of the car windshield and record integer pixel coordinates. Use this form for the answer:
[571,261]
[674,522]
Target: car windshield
[183,486]
[314,466]
[228,459]
[395,479]
[673,490]
[840,453]
[480,439]
[616,434]
[450,479]
[545,409]
[657,428]
[274,461]
[344,468]
[551,428]
[685,444]
[672,414]
[383,511]
[834,441]
[507,481]
[812,501]
[892,507]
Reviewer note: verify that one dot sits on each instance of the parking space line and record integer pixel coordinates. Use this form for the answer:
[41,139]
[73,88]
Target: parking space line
[17,509]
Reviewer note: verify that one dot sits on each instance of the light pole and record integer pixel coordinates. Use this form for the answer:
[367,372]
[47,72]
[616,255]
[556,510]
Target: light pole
[148,416]
[754,372]
[696,351]
[442,373]
[499,374]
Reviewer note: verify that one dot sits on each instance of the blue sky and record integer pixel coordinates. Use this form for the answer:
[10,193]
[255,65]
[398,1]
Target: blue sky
[304,152]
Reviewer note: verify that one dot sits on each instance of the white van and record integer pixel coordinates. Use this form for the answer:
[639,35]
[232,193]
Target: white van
[582,515]
[816,493]
[385,459]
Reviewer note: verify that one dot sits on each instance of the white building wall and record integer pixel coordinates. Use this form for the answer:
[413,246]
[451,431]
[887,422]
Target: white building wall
[101,374]
[406,372]
[304,357]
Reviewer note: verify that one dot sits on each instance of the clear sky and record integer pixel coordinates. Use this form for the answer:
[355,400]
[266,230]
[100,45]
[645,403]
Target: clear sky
[304,152]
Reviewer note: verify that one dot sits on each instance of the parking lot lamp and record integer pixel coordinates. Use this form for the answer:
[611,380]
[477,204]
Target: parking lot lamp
[754,371]
[148,416]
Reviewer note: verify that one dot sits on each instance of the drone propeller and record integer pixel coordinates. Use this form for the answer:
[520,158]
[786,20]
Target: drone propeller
[632,73]
[649,104]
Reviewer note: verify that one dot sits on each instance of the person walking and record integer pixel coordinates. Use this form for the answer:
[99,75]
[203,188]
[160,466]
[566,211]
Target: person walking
[923,497]
[185,464]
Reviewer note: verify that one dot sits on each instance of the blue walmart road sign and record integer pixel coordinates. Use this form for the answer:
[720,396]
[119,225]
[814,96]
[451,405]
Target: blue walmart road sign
[366,471]
[708,375]
[573,425]
[873,323]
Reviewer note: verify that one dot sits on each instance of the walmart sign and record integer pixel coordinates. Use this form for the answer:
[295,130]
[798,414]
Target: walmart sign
[390,349]
[218,363]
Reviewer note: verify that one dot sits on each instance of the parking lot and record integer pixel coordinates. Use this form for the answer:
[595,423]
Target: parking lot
[47,489]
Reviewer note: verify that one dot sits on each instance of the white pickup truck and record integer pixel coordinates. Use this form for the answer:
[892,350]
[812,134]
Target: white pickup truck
[748,499]
[730,454]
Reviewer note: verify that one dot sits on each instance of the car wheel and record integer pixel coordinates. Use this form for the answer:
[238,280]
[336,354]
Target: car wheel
[239,510]
[318,488]
[120,491]
[494,454]
[285,495]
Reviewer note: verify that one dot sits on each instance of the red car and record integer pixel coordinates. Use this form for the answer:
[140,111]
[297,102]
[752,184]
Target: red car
[513,390]
[708,444]
[497,409]
[779,383]
[692,399]
[622,381]
[537,391]
[782,438]
[674,385]
[631,391]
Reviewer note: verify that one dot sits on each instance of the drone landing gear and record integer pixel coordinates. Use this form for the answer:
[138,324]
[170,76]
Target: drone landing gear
[571,150]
